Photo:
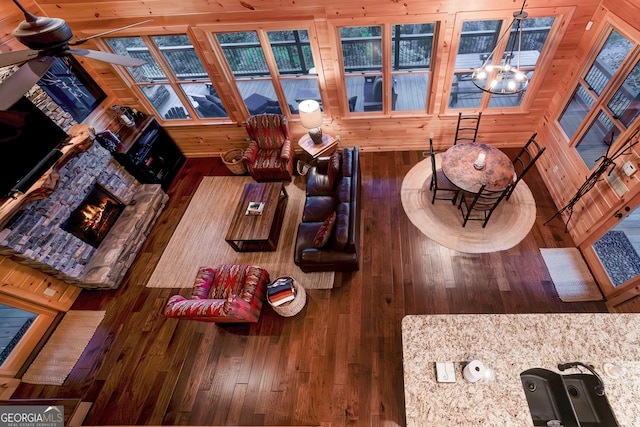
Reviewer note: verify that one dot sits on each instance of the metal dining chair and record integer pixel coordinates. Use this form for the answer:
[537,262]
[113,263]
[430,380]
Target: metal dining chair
[483,202]
[467,127]
[439,181]
[525,159]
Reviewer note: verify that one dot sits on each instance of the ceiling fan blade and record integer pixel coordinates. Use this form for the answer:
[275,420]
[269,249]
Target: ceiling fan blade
[113,58]
[10,58]
[80,41]
[22,80]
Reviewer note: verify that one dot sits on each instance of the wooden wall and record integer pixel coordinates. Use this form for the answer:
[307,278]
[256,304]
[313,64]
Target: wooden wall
[563,169]
[396,132]
[27,284]
[561,166]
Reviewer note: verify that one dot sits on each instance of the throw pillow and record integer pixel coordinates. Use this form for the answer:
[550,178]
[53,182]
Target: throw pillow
[324,232]
[334,169]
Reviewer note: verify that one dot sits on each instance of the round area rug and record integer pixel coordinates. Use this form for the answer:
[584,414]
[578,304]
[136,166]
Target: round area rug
[442,222]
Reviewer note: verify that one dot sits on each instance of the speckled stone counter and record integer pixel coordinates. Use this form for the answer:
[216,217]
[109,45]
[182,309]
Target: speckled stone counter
[507,345]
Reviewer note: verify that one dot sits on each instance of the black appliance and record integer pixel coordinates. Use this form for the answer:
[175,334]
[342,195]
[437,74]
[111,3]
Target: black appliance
[28,141]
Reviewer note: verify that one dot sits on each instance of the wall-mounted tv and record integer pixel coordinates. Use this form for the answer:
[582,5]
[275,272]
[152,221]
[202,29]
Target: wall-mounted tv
[27,137]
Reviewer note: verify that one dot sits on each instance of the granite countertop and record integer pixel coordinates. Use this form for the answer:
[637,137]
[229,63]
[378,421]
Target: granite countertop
[508,344]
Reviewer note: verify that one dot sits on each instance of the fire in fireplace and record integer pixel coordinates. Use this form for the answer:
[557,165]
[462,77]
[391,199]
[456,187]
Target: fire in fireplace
[92,220]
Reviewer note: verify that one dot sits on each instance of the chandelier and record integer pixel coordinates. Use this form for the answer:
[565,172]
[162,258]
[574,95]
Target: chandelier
[504,78]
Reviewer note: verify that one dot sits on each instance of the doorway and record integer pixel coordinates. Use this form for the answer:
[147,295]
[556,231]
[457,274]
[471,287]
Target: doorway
[618,250]
[613,254]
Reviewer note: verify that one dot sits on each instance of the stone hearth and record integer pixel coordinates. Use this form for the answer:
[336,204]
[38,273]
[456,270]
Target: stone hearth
[35,237]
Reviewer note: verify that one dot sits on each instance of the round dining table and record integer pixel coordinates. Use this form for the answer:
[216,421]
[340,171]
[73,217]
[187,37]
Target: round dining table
[458,166]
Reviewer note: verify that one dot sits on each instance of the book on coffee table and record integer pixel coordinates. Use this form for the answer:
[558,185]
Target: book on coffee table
[255,208]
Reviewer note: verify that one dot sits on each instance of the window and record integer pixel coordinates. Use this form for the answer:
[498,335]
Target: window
[71,87]
[599,110]
[364,68]
[411,47]
[296,69]
[293,77]
[477,40]
[362,58]
[174,81]
[23,323]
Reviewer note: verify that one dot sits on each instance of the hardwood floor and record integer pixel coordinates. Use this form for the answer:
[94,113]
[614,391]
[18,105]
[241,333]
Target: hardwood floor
[338,362]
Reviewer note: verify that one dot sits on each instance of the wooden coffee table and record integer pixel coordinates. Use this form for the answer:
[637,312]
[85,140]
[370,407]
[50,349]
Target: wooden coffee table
[252,233]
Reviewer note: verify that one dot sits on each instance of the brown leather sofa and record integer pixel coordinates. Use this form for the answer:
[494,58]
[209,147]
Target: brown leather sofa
[333,185]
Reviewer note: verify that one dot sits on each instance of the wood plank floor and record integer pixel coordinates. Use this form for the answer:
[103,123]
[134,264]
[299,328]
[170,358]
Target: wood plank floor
[338,362]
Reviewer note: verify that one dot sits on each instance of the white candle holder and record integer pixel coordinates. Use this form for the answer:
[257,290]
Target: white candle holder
[480,162]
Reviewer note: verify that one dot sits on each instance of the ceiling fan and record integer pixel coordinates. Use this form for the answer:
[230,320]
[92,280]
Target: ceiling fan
[48,38]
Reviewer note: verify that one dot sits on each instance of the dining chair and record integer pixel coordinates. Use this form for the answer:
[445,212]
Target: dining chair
[467,127]
[525,159]
[483,202]
[439,181]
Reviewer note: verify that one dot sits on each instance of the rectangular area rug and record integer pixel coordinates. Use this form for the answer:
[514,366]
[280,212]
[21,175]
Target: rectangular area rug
[570,275]
[63,349]
[199,237]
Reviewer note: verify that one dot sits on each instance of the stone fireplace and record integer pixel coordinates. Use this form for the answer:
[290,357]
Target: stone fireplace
[37,236]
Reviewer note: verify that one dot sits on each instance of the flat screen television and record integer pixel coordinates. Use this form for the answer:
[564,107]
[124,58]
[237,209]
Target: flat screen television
[27,138]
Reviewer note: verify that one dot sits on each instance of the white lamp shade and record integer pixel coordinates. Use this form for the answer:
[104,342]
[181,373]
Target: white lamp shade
[310,114]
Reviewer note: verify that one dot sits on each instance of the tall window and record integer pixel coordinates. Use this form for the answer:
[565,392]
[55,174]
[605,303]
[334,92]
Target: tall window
[477,40]
[364,68]
[411,48]
[297,73]
[362,57]
[174,81]
[600,110]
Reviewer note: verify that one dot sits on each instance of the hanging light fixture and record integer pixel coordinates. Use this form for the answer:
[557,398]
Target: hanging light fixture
[505,78]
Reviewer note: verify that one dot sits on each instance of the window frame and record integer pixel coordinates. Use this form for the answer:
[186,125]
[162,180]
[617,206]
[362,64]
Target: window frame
[387,71]
[601,101]
[274,73]
[45,317]
[171,80]
[561,15]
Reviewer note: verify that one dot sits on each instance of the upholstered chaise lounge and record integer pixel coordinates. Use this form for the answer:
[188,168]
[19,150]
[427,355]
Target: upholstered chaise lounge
[227,293]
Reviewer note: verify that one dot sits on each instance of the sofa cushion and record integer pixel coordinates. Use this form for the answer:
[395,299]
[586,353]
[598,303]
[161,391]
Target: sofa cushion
[333,169]
[306,233]
[203,282]
[228,282]
[341,227]
[317,208]
[346,168]
[343,192]
[324,232]
[318,183]
[268,159]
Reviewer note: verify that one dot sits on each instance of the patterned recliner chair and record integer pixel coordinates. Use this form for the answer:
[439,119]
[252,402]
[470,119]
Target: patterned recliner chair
[270,155]
[228,293]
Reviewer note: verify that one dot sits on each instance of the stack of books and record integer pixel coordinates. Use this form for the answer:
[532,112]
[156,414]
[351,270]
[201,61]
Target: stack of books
[281,291]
